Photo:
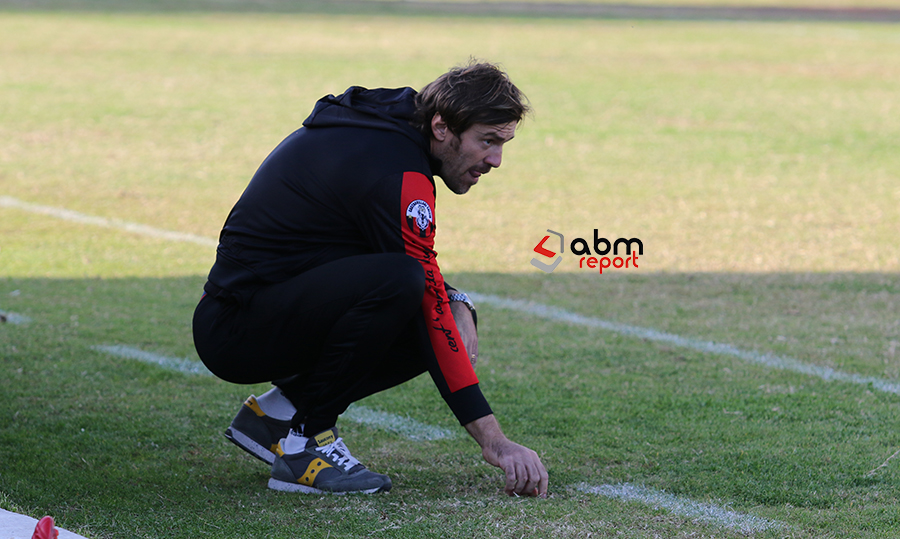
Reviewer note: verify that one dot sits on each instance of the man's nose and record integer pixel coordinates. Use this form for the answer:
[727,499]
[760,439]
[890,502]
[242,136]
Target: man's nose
[494,157]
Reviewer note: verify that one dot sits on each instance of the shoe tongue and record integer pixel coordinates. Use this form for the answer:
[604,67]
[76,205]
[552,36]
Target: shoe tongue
[324,438]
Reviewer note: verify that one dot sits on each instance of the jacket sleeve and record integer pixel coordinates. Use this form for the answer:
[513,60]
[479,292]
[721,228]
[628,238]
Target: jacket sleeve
[448,361]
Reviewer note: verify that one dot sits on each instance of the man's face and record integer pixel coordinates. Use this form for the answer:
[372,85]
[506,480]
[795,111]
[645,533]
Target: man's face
[466,157]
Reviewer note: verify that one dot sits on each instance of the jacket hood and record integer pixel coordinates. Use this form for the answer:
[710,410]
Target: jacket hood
[381,108]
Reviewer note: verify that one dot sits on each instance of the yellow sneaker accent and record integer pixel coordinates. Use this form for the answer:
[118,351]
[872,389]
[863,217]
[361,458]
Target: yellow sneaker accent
[277,449]
[312,471]
[253,405]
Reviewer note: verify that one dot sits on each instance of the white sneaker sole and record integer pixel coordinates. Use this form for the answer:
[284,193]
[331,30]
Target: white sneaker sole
[284,486]
[249,445]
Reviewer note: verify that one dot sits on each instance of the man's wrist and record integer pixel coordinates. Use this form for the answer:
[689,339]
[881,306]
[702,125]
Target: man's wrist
[461,297]
[487,433]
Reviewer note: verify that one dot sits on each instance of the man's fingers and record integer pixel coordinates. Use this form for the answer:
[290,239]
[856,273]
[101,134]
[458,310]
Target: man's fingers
[539,477]
[515,477]
[524,471]
[543,482]
[510,480]
[522,479]
[518,477]
[530,486]
[536,475]
[526,478]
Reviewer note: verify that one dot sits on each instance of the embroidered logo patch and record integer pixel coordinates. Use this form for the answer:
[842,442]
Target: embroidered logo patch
[325,438]
[420,218]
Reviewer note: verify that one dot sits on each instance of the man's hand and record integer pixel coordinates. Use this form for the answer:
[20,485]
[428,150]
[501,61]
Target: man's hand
[525,473]
[466,326]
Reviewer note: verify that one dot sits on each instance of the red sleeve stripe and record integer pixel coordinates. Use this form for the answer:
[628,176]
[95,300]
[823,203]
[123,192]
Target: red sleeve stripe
[417,222]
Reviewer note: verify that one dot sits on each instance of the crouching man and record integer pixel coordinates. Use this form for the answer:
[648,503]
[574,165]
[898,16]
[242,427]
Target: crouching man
[326,281]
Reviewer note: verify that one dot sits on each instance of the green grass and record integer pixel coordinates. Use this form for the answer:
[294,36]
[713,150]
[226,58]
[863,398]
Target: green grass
[114,437]
[754,147]
[756,161]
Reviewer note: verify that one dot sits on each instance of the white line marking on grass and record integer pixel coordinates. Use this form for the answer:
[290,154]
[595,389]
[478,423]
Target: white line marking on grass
[703,512]
[16,525]
[537,309]
[404,426]
[769,360]
[884,464]
[13,318]
[77,217]
[184,365]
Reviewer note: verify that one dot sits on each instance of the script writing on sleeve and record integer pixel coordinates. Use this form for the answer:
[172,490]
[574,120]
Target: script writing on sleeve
[448,334]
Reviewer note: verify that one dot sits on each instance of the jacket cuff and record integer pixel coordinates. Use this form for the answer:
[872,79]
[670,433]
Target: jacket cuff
[468,404]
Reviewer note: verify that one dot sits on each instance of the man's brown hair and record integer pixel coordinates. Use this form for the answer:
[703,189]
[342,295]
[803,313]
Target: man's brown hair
[479,93]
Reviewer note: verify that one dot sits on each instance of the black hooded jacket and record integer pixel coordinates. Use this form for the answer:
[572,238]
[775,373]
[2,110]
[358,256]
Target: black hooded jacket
[355,179]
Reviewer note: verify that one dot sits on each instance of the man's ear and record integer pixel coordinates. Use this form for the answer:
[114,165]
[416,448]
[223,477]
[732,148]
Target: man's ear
[439,129]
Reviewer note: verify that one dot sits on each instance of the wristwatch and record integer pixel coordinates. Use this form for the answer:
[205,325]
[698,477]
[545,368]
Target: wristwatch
[462,297]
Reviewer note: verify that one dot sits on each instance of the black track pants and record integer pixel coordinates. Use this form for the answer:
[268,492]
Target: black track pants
[329,337]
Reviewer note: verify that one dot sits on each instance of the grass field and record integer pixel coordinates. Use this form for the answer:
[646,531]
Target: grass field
[389,6]
[756,161]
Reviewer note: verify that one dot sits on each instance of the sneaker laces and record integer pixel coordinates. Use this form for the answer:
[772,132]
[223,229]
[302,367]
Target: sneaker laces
[343,456]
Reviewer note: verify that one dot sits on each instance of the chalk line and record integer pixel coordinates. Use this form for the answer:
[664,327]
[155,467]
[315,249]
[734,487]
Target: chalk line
[699,511]
[13,318]
[404,426]
[78,217]
[537,309]
[15,525]
[768,360]
[184,365]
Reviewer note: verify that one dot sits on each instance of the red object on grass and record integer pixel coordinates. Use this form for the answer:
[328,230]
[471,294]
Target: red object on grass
[45,529]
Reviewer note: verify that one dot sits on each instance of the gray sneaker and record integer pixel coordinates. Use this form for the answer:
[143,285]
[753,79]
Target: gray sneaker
[324,467]
[255,432]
